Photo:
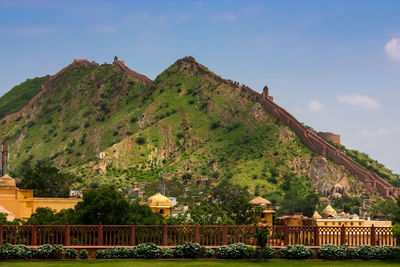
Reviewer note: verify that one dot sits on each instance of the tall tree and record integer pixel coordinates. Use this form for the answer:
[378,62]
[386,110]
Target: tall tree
[105,205]
[47,180]
[299,197]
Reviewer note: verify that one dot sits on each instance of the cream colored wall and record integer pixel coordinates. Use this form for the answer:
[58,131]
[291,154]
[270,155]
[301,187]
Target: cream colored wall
[333,222]
[378,223]
[22,203]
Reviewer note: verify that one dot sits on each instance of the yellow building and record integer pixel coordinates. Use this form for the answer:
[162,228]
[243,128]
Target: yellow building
[331,218]
[267,213]
[20,203]
[160,204]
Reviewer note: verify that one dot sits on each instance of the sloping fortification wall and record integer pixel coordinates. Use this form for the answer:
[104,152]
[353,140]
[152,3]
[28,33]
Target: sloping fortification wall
[320,146]
[45,87]
[120,64]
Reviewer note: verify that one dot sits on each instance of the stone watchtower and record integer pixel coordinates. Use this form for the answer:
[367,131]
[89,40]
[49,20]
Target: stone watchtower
[265,93]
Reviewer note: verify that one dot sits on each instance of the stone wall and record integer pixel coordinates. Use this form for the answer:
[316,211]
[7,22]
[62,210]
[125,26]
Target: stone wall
[319,145]
[331,137]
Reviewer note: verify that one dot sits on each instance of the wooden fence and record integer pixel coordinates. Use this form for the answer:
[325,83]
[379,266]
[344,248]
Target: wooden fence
[172,235]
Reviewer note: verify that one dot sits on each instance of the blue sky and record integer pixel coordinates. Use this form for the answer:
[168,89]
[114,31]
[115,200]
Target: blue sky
[335,65]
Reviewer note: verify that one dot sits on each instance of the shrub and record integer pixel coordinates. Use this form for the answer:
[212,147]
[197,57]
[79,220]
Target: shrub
[262,235]
[140,140]
[250,252]
[147,251]
[83,254]
[214,125]
[9,251]
[365,252]
[233,251]
[188,250]
[166,253]
[71,253]
[333,252]
[266,253]
[116,253]
[57,252]
[43,252]
[207,252]
[296,252]
[133,119]
[386,253]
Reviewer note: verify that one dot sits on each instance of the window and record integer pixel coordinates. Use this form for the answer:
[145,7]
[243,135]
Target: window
[326,223]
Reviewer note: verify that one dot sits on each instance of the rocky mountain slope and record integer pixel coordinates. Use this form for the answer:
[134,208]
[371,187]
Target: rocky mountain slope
[110,124]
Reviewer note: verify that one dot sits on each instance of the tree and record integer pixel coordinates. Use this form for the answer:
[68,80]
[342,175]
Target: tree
[347,204]
[105,205]
[234,201]
[4,221]
[142,215]
[42,216]
[47,180]
[299,197]
[209,215]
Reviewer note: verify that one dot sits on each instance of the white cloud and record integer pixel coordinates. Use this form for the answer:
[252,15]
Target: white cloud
[359,100]
[380,132]
[225,16]
[316,107]
[392,49]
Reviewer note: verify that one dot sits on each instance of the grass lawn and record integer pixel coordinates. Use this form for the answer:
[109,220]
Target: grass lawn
[151,263]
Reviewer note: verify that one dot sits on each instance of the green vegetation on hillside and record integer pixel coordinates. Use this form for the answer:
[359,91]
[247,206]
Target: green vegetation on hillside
[189,123]
[20,95]
[373,165]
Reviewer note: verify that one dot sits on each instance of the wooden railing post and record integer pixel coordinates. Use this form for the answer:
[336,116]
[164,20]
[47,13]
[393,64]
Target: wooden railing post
[1,234]
[286,235]
[34,235]
[100,235]
[197,234]
[373,236]
[225,235]
[133,236]
[343,235]
[316,236]
[67,235]
[165,235]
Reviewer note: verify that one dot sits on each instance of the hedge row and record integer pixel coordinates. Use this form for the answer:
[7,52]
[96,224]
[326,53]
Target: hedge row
[241,251]
[9,251]
[194,250]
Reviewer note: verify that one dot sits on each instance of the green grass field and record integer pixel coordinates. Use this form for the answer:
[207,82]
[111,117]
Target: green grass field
[151,263]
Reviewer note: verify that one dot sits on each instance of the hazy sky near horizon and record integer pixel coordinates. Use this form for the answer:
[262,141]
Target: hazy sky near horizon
[335,64]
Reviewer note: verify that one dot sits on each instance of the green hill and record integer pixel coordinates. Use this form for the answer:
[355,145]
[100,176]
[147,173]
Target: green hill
[20,95]
[111,125]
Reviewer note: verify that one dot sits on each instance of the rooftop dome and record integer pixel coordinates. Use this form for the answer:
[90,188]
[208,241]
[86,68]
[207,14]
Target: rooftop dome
[159,201]
[329,211]
[260,201]
[316,215]
[7,181]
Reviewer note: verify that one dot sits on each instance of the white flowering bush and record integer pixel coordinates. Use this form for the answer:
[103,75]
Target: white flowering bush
[233,251]
[296,252]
